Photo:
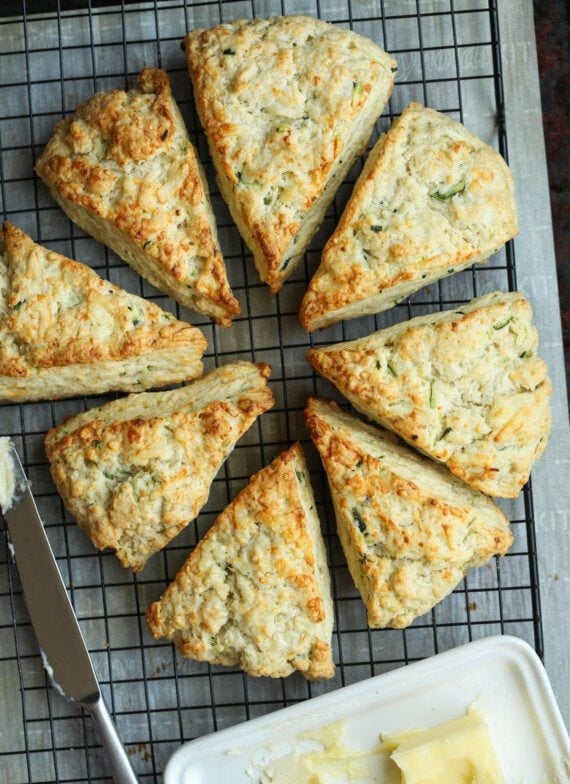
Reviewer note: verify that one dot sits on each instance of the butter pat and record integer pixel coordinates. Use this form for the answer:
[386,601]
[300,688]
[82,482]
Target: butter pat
[457,752]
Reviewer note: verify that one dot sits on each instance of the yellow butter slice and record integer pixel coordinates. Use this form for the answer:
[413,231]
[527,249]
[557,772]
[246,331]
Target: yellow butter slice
[457,752]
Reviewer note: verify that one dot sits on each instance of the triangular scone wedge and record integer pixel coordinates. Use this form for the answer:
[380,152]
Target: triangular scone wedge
[136,471]
[255,591]
[123,168]
[464,386]
[65,331]
[431,200]
[409,530]
[288,104]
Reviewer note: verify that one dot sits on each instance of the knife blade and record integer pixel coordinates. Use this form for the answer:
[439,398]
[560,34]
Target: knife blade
[63,650]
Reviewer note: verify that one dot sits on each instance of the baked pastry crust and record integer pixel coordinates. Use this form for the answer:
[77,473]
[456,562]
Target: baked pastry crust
[65,331]
[136,471]
[287,104]
[408,528]
[431,200]
[464,386]
[123,168]
[255,591]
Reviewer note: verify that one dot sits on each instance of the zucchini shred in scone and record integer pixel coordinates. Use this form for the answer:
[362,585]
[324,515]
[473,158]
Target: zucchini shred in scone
[64,331]
[431,200]
[287,105]
[123,168]
[465,387]
[255,591]
[134,472]
[409,529]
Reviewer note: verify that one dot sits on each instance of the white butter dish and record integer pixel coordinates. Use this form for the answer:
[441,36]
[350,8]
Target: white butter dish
[502,676]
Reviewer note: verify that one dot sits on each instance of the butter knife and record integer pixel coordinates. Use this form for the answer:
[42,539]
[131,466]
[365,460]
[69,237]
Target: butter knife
[63,650]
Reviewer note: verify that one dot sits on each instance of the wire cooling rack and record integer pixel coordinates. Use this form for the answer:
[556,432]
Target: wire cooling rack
[54,55]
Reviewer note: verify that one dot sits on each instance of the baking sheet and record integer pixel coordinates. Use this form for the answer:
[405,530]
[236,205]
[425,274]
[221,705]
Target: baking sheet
[48,64]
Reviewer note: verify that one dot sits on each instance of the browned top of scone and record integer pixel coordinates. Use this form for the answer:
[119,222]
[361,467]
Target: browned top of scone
[137,470]
[409,529]
[55,311]
[249,592]
[280,99]
[126,158]
[464,386]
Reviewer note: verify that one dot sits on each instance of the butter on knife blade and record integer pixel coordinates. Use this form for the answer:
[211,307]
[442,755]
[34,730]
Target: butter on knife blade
[7,477]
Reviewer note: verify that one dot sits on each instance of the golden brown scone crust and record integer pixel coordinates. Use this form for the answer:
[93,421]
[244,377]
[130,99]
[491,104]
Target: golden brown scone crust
[65,331]
[287,104]
[124,169]
[136,471]
[408,528]
[255,591]
[465,387]
[431,200]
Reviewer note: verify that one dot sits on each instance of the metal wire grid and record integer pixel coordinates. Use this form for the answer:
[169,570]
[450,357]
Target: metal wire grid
[449,57]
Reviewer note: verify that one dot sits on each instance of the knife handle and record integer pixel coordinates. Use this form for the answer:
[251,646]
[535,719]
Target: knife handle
[114,749]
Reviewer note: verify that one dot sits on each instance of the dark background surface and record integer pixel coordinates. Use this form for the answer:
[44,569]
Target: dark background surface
[552,23]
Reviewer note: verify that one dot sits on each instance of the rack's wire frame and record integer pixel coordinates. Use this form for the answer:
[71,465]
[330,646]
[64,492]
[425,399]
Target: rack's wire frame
[158,699]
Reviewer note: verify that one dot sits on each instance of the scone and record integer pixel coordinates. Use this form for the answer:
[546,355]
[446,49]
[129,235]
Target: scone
[287,104]
[431,200]
[136,471]
[255,591]
[124,169]
[464,386]
[65,331]
[409,530]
